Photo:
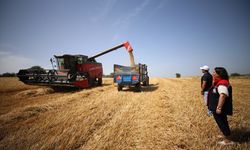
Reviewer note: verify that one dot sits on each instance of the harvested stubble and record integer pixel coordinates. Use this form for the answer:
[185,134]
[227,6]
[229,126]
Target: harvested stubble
[169,114]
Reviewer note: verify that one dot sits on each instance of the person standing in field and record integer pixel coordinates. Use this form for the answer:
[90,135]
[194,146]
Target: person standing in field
[206,82]
[220,102]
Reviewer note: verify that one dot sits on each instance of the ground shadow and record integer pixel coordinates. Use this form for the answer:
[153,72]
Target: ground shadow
[241,135]
[149,88]
[70,89]
[106,84]
[61,89]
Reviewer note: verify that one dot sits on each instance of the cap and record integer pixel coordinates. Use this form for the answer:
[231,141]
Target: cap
[205,67]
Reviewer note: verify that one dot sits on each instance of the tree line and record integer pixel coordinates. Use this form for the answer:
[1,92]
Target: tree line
[111,75]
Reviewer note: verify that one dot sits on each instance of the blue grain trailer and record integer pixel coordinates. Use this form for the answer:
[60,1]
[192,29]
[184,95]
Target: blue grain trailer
[131,76]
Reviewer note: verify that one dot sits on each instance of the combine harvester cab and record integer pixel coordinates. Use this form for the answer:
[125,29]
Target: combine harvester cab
[131,76]
[72,70]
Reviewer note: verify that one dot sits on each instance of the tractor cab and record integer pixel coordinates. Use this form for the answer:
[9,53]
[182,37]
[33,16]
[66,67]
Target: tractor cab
[69,62]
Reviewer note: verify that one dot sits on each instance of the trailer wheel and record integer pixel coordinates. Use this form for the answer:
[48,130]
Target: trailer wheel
[147,81]
[119,88]
[138,87]
[99,81]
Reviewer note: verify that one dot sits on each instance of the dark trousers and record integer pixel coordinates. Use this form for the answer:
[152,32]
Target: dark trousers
[221,120]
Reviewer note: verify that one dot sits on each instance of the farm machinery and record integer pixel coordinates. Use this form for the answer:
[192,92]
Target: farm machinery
[134,75]
[71,70]
[131,76]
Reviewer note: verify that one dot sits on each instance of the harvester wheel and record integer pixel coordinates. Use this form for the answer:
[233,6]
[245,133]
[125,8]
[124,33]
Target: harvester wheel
[91,81]
[100,81]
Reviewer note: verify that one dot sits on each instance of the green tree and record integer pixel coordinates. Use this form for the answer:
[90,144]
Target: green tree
[37,69]
[178,75]
[235,74]
[7,74]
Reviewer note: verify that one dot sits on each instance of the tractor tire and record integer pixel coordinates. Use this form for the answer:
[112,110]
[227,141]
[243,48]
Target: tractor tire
[146,82]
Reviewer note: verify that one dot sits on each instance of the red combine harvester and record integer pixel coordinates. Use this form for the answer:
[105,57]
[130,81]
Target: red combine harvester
[72,70]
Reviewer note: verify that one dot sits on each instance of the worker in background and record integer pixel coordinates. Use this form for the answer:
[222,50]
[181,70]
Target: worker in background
[206,82]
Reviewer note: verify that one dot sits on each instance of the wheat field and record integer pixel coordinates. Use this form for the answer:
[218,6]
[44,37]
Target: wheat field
[168,114]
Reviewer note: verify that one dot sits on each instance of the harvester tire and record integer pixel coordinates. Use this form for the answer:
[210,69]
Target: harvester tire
[99,81]
[91,81]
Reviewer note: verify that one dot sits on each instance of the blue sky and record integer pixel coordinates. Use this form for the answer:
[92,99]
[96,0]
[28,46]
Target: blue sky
[170,36]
